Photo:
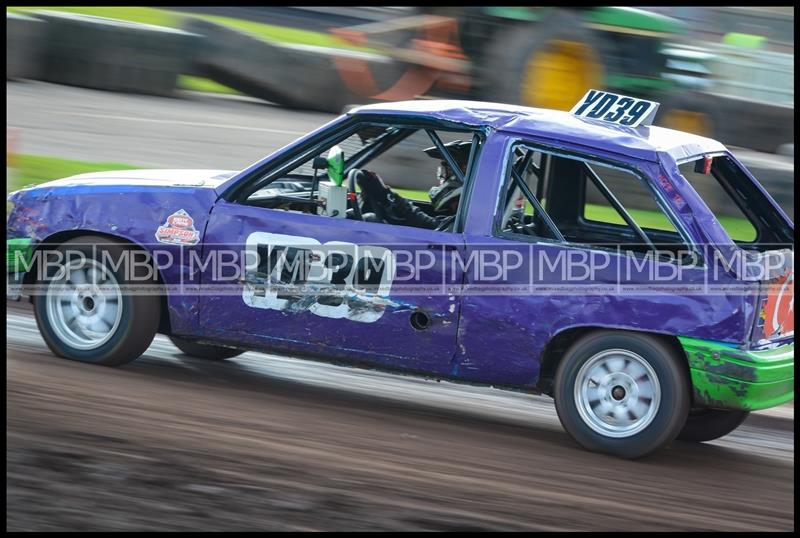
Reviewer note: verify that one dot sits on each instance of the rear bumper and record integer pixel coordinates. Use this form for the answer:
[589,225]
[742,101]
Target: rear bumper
[729,378]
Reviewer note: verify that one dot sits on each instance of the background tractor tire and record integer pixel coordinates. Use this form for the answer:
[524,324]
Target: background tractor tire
[547,64]
[690,111]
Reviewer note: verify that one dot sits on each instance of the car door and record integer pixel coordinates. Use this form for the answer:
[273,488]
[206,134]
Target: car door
[567,261]
[407,321]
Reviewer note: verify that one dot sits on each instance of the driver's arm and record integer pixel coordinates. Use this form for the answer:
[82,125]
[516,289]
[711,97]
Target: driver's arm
[390,206]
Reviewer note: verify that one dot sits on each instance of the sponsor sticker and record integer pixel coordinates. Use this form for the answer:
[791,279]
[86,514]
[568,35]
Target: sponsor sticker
[778,312]
[178,230]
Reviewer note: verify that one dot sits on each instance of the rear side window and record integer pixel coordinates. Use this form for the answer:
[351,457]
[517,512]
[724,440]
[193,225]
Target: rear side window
[632,194]
[741,208]
[579,201]
[725,208]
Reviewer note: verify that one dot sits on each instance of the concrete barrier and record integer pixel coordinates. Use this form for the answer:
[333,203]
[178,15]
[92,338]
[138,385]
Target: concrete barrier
[23,46]
[114,55]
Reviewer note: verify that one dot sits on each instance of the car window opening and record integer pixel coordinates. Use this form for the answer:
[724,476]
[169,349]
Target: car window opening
[742,209]
[376,159]
[585,203]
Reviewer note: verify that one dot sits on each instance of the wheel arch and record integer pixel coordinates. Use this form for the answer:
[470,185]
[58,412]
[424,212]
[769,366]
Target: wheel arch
[62,236]
[554,351]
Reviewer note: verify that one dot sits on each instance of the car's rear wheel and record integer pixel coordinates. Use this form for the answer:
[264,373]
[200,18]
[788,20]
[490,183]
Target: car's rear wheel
[708,424]
[621,393]
[205,351]
[83,310]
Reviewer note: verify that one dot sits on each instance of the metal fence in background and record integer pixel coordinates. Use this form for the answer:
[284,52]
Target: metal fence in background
[753,74]
[742,73]
[710,24]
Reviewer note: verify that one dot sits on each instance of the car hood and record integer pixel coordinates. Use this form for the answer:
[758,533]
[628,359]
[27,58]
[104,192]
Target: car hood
[145,178]
[131,204]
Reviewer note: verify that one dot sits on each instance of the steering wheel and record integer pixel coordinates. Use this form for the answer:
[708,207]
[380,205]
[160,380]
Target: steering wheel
[351,187]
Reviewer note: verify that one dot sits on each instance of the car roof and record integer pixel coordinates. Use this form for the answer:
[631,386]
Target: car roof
[641,143]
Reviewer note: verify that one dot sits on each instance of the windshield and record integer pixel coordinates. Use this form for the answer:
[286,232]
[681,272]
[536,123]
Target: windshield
[746,213]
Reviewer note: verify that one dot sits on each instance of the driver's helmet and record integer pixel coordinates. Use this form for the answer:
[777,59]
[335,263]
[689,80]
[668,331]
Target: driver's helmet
[449,187]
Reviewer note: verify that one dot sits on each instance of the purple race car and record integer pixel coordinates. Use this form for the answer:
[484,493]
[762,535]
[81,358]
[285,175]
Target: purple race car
[640,276]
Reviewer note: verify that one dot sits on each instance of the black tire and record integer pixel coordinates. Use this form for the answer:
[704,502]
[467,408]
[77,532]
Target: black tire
[709,424]
[667,417]
[140,314]
[505,65]
[205,351]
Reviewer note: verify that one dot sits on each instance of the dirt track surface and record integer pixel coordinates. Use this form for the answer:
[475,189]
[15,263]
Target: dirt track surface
[272,443]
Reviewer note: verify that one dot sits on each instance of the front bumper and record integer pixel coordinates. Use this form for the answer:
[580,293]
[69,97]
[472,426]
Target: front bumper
[18,254]
[729,378]
[18,260]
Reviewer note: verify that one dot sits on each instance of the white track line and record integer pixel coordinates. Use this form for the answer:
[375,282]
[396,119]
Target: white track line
[179,122]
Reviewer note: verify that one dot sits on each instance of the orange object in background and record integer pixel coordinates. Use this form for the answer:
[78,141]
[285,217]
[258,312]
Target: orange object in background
[434,58]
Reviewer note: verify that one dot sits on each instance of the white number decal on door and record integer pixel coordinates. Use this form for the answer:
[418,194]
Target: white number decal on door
[335,280]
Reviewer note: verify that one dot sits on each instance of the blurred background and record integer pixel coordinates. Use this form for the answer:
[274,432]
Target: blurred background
[722,72]
[276,443]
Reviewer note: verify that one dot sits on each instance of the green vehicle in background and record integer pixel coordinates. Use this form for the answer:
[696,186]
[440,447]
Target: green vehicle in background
[545,56]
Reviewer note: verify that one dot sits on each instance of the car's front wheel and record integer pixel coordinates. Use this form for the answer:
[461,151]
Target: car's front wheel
[621,393]
[83,309]
[205,351]
[709,424]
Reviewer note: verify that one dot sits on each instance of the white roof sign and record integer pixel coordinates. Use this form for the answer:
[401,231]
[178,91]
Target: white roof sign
[614,108]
